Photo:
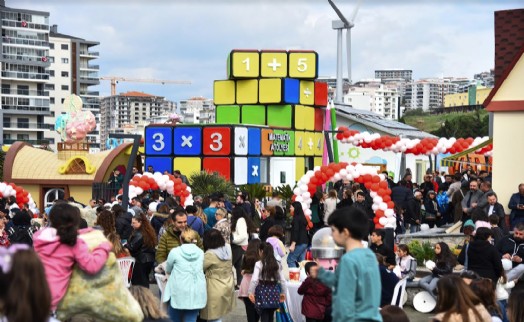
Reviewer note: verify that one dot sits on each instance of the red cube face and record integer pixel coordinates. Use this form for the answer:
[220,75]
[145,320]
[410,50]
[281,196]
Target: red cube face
[321,94]
[319,119]
[220,165]
[216,141]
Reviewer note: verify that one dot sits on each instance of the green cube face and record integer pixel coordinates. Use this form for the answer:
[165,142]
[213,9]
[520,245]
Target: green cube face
[228,114]
[284,142]
[279,116]
[254,114]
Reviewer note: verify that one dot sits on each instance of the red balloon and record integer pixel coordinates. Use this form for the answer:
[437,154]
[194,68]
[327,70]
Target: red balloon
[318,174]
[374,186]
[386,198]
[379,226]
[381,192]
[184,186]
[367,177]
[367,184]
[391,204]
[388,192]
[323,168]
[330,172]
[375,220]
[177,181]
[313,180]
[383,184]
[375,179]
[311,187]
[379,213]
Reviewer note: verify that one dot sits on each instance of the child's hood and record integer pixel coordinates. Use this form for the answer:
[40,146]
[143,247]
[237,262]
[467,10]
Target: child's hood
[190,252]
[46,241]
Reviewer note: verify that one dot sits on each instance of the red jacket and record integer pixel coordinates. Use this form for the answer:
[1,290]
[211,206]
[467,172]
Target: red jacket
[317,297]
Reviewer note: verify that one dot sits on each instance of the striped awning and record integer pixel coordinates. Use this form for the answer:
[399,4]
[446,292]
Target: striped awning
[458,158]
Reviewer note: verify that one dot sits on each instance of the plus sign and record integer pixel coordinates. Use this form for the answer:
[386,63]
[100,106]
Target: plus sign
[307,92]
[274,64]
[310,144]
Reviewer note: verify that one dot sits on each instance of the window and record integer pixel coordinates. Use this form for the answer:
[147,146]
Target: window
[22,136]
[65,88]
[62,101]
[65,60]
[51,59]
[23,123]
[50,87]
[64,46]
[52,100]
[51,46]
[51,73]
[7,122]
[65,74]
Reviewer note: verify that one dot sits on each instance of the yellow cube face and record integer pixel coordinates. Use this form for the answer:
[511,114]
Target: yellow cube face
[319,143]
[300,117]
[224,92]
[245,64]
[273,64]
[300,167]
[247,91]
[299,143]
[309,118]
[317,162]
[270,91]
[307,92]
[187,166]
[303,65]
[309,143]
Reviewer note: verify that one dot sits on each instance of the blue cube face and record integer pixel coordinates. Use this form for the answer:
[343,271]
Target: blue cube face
[159,140]
[291,91]
[254,141]
[187,140]
[159,164]
[253,170]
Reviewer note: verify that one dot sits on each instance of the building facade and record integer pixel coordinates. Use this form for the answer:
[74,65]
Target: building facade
[130,112]
[377,99]
[474,96]
[72,72]
[25,60]
[427,94]
[386,75]
[197,110]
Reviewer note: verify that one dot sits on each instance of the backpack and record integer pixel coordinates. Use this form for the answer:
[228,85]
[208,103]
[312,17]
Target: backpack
[21,235]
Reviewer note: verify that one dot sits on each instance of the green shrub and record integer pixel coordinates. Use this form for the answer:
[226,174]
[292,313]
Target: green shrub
[421,251]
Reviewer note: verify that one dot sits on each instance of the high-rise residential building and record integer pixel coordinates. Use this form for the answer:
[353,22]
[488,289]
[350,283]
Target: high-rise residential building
[72,72]
[126,112]
[427,94]
[197,110]
[25,59]
[386,75]
[486,78]
[375,98]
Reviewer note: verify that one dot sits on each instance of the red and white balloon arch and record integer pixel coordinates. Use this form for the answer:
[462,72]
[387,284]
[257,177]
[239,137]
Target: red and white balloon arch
[375,183]
[426,146]
[22,195]
[164,182]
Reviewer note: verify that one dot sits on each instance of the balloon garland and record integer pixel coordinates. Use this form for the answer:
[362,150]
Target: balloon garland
[375,183]
[22,196]
[427,146]
[158,181]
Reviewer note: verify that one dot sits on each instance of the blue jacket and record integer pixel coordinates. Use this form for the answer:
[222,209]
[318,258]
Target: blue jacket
[186,286]
[513,202]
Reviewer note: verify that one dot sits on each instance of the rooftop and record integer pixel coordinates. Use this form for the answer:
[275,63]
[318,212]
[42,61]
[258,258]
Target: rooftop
[137,94]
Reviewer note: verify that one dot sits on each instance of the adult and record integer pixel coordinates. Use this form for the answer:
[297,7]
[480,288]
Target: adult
[427,185]
[219,280]
[115,180]
[455,185]
[242,202]
[431,214]
[193,221]
[482,257]
[412,214]
[471,199]
[407,178]
[448,180]
[241,229]
[4,239]
[185,290]
[401,194]
[516,204]
[444,262]
[223,225]
[122,221]
[515,307]
[378,247]
[274,216]
[159,217]
[21,232]
[141,245]
[363,205]
[171,238]
[346,201]
[299,239]
[276,200]
[512,248]
[485,290]
[179,175]
[485,187]
[493,207]
[257,213]
[211,210]
[330,204]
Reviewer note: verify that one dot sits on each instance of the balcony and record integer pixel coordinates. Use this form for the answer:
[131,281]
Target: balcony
[25,109]
[24,92]
[24,75]
[25,25]
[27,126]
[91,67]
[88,93]
[32,142]
[25,41]
[89,53]
[25,59]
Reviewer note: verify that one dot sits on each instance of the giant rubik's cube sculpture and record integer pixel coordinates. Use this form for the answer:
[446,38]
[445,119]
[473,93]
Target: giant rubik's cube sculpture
[270,106]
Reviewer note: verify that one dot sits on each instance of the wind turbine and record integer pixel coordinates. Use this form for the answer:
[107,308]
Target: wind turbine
[339,26]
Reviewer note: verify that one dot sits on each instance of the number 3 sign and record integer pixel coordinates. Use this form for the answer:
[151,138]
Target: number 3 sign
[159,141]
[217,141]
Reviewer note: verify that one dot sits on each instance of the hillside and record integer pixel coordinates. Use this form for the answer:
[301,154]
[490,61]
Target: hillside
[464,124]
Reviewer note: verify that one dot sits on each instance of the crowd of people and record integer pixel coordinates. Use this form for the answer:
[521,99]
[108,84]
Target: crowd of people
[226,247]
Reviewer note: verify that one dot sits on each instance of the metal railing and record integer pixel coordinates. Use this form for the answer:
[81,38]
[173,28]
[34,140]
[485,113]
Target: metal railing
[23,41]
[30,125]
[25,75]
[89,53]
[25,108]
[32,142]
[24,92]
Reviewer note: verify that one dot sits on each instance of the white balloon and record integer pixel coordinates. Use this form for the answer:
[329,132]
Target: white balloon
[296,191]
[343,172]
[303,188]
[392,221]
[383,206]
[374,207]
[389,212]
[306,195]
[337,177]
[383,221]
[377,200]
[373,194]
[299,199]
[308,212]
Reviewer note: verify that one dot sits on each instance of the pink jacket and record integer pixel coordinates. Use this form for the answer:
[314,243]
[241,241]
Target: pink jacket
[59,259]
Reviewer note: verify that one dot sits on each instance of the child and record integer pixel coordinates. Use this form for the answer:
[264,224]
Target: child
[59,249]
[356,281]
[407,264]
[251,257]
[503,285]
[276,233]
[496,231]
[268,286]
[317,297]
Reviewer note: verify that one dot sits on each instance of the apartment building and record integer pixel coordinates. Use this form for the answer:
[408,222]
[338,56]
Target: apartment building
[198,110]
[428,93]
[374,97]
[129,112]
[25,60]
[386,75]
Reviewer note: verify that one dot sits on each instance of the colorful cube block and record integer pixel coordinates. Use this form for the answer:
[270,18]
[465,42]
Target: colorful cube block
[270,91]
[241,140]
[158,140]
[160,164]
[307,92]
[220,165]
[224,92]
[188,166]
[240,171]
[300,167]
[303,64]
[243,64]
[253,170]
[283,142]
[266,142]
[228,114]
[273,64]
[254,141]
[279,116]
[216,141]
[319,119]
[319,144]
[291,91]
[254,114]
[321,94]
[299,143]
[187,140]
[247,91]
[309,143]
[304,117]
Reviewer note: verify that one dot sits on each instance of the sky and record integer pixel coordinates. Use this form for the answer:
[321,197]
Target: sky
[190,39]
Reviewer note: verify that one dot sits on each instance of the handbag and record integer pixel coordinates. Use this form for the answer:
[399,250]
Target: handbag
[427,216]
[267,295]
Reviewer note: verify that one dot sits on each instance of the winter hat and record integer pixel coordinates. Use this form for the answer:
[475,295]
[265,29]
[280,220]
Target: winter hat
[469,223]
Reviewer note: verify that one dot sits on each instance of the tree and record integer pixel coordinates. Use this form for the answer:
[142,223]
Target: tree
[471,125]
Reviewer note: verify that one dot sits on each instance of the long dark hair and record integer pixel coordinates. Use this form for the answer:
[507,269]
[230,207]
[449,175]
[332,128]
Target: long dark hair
[483,288]
[106,220]
[298,209]
[515,307]
[270,268]
[66,220]
[445,255]
[252,256]
[455,297]
[148,232]
[239,212]
[118,210]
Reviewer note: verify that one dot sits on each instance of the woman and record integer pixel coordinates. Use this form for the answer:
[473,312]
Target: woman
[431,214]
[482,257]
[122,222]
[330,204]
[106,222]
[241,228]
[219,280]
[159,217]
[457,302]
[251,257]
[200,214]
[149,304]
[141,245]
[4,240]
[257,214]
[299,238]
[268,214]
[407,264]
[515,307]
[486,293]
[185,290]
[347,199]
[223,225]
[444,263]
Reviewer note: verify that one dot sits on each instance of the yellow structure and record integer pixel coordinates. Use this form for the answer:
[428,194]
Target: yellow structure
[465,99]
[507,104]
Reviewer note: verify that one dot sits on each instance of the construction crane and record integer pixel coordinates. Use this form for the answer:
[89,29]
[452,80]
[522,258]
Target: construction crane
[115,79]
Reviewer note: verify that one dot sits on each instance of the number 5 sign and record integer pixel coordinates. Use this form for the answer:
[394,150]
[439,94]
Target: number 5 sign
[217,141]
[303,64]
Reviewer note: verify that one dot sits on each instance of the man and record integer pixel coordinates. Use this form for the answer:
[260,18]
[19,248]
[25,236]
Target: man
[182,177]
[241,202]
[276,200]
[516,204]
[116,179]
[485,187]
[455,185]
[471,200]
[378,246]
[134,171]
[401,194]
[512,248]
[171,237]
[211,210]
[407,178]
[493,207]
[447,182]
[136,205]
[361,204]
[150,169]
[91,204]
[198,200]
[390,181]
[412,215]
